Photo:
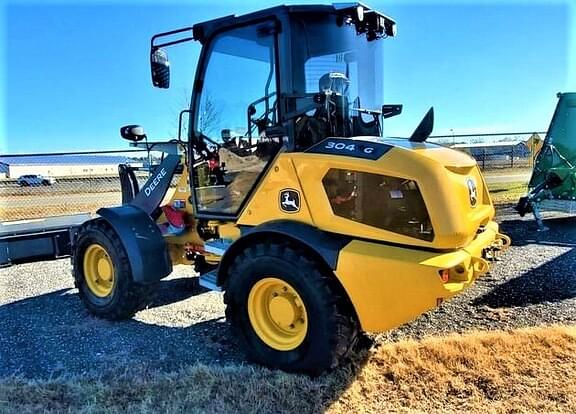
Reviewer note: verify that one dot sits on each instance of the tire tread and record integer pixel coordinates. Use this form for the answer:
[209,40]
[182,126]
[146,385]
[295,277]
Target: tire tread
[345,332]
[132,296]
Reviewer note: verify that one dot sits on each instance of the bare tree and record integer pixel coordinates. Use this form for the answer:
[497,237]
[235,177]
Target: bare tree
[209,116]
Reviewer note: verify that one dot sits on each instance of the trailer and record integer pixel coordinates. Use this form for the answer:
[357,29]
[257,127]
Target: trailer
[38,239]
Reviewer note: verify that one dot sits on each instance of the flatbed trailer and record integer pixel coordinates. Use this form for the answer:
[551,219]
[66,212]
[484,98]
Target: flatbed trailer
[38,239]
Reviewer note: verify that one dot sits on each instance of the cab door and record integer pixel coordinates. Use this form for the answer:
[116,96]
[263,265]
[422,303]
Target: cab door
[236,104]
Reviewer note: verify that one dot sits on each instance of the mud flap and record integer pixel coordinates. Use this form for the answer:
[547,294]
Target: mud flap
[145,247]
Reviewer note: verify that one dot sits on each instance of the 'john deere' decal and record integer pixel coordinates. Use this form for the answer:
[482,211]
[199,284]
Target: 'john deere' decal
[290,200]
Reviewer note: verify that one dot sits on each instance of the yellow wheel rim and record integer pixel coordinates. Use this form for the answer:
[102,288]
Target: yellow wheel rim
[98,270]
[277,314]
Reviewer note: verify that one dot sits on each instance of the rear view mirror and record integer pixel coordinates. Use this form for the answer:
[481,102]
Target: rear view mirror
[388,111]
[160,67]
[134,133]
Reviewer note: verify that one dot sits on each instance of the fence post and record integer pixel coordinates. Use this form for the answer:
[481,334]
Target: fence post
[512,157]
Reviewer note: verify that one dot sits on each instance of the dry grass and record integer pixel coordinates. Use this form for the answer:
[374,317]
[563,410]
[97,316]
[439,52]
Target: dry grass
[530,370]
[506,193]
[34,212]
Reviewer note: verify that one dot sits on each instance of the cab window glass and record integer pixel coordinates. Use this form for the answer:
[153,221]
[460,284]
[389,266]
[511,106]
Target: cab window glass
[237,104]
[381,201]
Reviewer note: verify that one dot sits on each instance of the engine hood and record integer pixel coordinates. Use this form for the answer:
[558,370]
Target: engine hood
[444,155]
[375,148]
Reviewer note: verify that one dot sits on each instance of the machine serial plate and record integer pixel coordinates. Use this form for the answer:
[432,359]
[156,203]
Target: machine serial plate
[351,148]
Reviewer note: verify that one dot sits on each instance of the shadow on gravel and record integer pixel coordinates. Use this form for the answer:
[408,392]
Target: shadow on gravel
[552,281]
[51,335]
[176,290]
[562,232]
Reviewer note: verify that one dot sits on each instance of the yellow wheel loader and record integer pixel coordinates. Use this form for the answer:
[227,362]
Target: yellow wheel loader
[290,201]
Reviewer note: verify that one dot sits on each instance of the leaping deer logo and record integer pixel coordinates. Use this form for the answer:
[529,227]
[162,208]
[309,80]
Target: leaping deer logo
[290,201]
[472,192]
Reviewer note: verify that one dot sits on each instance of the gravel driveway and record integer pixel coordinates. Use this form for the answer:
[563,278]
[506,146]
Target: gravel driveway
[46,331]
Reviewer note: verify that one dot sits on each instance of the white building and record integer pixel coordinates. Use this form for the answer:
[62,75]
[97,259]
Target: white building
[62,165]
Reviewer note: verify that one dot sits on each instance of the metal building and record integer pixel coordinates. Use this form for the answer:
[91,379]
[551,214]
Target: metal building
[63,165]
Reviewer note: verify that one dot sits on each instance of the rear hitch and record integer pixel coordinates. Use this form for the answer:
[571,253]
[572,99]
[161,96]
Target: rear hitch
[498,246]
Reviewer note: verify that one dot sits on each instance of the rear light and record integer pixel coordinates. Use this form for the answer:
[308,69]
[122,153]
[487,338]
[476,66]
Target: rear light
[444,275]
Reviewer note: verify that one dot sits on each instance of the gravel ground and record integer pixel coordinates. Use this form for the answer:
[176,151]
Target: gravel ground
[45,330]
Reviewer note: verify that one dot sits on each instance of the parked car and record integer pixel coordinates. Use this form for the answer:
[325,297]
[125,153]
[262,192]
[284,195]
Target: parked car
[34,180]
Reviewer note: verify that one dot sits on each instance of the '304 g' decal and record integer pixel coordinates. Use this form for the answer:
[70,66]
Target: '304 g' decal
[351,148]
[341,146]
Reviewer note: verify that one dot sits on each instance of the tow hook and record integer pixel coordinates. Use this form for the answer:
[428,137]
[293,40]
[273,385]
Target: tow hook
[498,246]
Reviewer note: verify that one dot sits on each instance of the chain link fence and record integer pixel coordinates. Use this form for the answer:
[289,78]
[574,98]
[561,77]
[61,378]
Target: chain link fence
[497,151]
[44,185]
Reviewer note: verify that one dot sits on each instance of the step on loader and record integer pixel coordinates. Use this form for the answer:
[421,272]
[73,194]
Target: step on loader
[290,201]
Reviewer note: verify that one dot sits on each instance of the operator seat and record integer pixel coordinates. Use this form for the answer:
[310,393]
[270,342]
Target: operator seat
[329,119]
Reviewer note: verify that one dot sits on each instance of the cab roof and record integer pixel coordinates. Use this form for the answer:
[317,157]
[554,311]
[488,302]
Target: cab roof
[204,30]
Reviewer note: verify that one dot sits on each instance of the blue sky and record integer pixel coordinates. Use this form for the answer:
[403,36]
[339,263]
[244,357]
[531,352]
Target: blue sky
[73,74]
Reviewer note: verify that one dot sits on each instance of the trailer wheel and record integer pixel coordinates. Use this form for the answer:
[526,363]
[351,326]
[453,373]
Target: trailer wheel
[103,276]
[286,311]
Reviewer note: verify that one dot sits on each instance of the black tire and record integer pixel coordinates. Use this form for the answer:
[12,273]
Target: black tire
[332,329]
[126,297]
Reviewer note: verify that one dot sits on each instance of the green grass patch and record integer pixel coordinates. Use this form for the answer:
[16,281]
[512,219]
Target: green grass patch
[505,193]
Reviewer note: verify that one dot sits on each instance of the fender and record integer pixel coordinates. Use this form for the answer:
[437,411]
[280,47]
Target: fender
[144,244]
[326,246]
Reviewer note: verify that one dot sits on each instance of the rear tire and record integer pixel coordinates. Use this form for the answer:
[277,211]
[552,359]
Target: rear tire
[286,311]
[103,276]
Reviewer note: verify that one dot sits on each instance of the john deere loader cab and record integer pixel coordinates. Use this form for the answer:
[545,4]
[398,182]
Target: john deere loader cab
[291,201]
[287,77]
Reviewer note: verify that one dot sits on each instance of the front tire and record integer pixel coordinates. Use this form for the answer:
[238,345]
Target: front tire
[103,276]
[286,311]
